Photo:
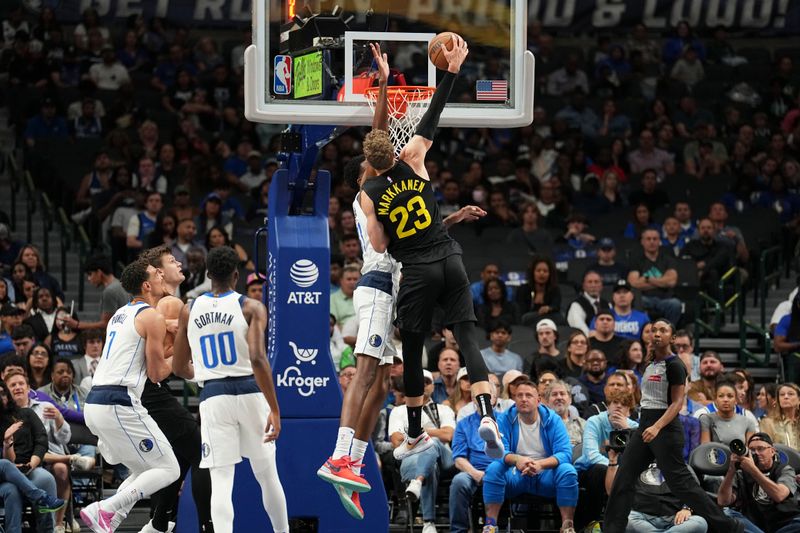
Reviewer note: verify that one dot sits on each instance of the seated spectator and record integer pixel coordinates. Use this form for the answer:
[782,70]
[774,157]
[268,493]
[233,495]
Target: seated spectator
[346,374]
[25,439]
[782,424]
[628,322]
[684,347]
[490,271]
[641,220]
[683,213]
[448,342]
[705,162]
[616,381]
[688,116]
[579,116]
[511,379]
[195,272]
[471,461]
[43,314]
[610,193]
[39,366]
[495,305]
[88,125]
[64,340]
[650,194]
[341,354]
[217,237]
[540,466]
[588,303]
[185,238]
[571,366]
[672,238]
[594,460]
[603,337]
[540,298]
[498,358]
[421,470]
[110,75]
[46,125]
[148,177]
[23,338]
[712,257]
[568,79]
[342,301]
[718,214]
[557,397]
[447,381]
[93,342]
[632,359]
[576,243]
[606,265]
[11,317]
[350,248]
[547,355]
[724,424]
[688,69]
[256,173]
[766,399]
[100,274]
[654,274]
[613,124]
[144,223]
[595,375]
[462,395]
[166,72]
[603,162]
[640,41]
[530,234]
[764,492]
[649,156]
[499,213]
[703,391]
[502,404]
[655,509]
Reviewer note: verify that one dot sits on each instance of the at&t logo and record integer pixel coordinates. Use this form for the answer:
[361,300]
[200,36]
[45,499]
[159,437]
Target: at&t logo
[292,376]
[304,273]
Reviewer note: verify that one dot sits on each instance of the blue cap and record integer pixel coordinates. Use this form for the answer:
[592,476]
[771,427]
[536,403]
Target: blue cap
[606,244]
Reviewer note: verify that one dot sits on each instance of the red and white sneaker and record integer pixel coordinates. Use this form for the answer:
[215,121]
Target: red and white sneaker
[490,434]
[97,519]
[351,502]
[340,472]
[411,446]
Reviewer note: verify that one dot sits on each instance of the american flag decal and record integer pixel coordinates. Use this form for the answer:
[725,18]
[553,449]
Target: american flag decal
[491,90]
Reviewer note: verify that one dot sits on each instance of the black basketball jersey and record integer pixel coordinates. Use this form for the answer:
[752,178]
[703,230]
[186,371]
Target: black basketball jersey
[405,205]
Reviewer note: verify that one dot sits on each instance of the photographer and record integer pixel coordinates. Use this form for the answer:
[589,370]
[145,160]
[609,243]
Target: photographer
[761,488]
[660,436]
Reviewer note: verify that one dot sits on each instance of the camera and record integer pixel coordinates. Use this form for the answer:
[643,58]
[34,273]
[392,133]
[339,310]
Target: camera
[618,440]
[738,447]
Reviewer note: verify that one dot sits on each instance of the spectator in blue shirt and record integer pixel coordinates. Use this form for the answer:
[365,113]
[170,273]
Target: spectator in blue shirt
[498,358]
[449,374]
[538,460]
[166,73]
[628,322]
[46,125]
[11,317]
[684,36]
[472,463]
[683,213]
[593,462]
[579,116]
[490,271]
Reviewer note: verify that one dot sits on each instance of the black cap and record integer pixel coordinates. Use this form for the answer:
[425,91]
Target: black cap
[604,312]
[11,310]
[622,285]
[760,436]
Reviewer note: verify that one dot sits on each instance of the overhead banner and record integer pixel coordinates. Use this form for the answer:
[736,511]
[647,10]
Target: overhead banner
[760,17]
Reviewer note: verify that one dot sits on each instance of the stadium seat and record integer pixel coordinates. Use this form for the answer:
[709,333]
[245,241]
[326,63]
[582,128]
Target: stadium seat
[789,456]
[710,459]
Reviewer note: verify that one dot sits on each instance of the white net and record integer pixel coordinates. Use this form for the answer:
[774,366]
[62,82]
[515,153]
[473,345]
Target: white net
[406,107]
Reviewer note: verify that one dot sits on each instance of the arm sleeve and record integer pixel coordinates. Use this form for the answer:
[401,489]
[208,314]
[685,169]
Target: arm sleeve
[430,120]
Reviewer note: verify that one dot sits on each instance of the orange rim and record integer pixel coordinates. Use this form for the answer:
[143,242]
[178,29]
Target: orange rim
[400,95]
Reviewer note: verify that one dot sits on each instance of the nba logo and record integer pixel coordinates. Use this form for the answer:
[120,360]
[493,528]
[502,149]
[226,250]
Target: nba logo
[282,78]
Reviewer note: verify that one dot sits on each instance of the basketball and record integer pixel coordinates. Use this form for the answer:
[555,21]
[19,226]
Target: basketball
[435,50]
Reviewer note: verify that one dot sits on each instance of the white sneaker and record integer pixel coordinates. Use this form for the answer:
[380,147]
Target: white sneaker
[82,463]
[60,529]
[76,527]
[412,446]
[429,527]
[413,490]
[148,528]
[491,436]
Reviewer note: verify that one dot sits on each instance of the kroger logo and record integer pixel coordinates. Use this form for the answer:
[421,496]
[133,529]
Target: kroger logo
[292,376]
[304,273]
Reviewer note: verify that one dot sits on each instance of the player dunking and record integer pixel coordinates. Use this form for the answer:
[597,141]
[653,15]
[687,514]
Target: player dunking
[220,344]
[403,217]
[134,352]
[177,423]
[373,299]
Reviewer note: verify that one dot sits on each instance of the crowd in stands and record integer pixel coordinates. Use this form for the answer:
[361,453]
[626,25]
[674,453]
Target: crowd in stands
[626,195]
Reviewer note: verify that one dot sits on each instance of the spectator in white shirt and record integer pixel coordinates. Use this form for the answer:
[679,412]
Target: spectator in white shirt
[568,78]
[109,75]
[256,173]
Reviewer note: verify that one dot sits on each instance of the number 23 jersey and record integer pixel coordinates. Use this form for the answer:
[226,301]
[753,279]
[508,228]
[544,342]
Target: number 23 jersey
[217,333]
[405,205]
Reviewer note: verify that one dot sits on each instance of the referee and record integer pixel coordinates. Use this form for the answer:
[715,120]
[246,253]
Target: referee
[660,436]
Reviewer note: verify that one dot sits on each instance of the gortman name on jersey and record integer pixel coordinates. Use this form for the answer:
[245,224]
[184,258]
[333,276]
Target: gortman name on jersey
[390,192]
[213,318]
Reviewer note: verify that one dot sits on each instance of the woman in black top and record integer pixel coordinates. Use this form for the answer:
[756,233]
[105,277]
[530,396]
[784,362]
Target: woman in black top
[495,306]
[540,297]
[660,437]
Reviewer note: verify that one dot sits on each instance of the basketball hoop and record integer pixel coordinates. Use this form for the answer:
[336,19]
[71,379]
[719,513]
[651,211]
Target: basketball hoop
[406,106]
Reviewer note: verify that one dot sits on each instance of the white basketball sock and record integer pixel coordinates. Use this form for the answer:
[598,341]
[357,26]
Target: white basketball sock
[359,449]
[343,442]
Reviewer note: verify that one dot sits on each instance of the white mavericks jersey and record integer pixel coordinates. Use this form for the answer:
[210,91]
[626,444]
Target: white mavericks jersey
[123,360]
[217,332]
[373,261]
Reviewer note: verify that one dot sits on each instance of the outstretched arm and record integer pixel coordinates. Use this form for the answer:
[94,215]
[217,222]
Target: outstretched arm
[467,213]
[381,119]
[414,152]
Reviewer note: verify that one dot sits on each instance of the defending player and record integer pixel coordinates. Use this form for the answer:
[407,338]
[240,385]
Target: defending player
[134,352]
[373,299]
[403,217]
[220,344]
[177,423]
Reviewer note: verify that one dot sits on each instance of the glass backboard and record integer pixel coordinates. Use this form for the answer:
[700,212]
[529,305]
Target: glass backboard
[310,63]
